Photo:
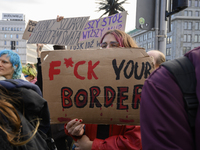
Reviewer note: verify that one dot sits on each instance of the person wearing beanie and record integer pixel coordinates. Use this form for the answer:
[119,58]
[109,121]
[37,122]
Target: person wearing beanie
[30,72]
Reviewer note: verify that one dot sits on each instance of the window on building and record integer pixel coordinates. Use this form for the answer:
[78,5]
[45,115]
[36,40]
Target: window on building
[141,38]
[199,3]
[153,44]
[144,37]
[196,26]
[11,29]
[6,28]
[4,42]
[145,46]
[189,25]
[185,13]
[189,3]
[189,13]
[167,40]
[195,38]
[168,51]
[171,26]
[16,42]
[11,36]
[17,36]
[17,29]
[197,13]
[189,38]
[196,3]
[2,28]
[149,35]
[170,39]
[14,29]
[185,38]
[5,35]
[184,50]
[185,25]
[20,29]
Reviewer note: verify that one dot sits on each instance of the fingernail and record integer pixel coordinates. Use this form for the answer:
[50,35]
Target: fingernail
[80,120]
[76,119]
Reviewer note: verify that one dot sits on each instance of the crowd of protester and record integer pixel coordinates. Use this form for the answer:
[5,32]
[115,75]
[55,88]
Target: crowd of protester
[25,118]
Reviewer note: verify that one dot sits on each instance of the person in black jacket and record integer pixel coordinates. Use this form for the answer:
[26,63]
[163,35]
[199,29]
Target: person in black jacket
[24,115]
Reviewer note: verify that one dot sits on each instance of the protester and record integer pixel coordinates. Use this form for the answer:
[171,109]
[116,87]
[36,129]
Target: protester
[105,137]
[63,141]
[30,73]
[158,56]
[23,114]
[10,65]
[163,117]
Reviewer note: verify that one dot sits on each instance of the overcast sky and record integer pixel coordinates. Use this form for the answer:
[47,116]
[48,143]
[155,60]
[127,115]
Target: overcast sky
[48,9]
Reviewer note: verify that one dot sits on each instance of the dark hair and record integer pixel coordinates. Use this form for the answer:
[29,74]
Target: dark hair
[58,47]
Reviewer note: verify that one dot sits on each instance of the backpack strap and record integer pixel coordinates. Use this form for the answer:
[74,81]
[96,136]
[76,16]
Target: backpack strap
[184,72]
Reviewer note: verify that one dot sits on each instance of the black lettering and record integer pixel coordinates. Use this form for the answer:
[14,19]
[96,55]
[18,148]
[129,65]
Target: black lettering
[147,70]
[125,69]
[136,71]
[94,92]
[116,69]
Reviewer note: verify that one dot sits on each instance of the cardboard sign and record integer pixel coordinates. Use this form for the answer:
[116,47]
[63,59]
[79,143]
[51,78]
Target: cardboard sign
[65,32]
[99,86]
[95,29]
[29,29]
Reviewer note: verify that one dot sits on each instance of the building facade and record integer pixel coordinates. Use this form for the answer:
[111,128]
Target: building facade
[12,27]
[184,34]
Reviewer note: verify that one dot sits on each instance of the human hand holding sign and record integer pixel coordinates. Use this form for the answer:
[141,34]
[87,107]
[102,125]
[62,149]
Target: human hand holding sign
[59,18]
[75,127]
[39,49]
[83,143]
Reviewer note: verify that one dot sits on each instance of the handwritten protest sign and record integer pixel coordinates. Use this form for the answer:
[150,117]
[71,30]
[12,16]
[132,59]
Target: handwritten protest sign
[65,32]
[95,29]
[99,86]
[29,29]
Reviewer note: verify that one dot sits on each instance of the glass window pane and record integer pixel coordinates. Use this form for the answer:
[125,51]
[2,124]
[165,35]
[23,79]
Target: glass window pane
[185,38]
[185,12]
[196,3]
[189,13]
[190,25]
[196,38]
[189,38]
[196,26]
[197,13]
[186,25]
